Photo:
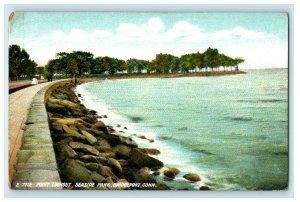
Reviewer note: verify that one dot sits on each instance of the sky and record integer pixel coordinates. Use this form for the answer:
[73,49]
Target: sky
[260,38]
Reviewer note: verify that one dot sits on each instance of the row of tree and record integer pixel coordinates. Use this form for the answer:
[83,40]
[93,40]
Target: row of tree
[84,63]
[81,63]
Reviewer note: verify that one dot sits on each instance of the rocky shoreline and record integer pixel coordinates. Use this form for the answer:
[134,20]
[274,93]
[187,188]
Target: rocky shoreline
[90,152]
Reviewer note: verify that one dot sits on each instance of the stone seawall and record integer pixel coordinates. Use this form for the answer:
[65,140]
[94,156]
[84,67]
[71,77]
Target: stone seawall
[36,164]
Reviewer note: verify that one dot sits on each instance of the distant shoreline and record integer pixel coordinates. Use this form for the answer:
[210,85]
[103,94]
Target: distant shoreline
[177,75]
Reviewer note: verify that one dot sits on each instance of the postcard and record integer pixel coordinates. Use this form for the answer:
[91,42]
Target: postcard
[148,101]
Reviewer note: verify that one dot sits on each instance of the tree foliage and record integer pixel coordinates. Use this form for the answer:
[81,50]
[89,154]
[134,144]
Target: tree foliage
[20,64]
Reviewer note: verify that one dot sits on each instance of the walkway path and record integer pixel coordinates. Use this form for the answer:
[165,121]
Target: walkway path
[19,103]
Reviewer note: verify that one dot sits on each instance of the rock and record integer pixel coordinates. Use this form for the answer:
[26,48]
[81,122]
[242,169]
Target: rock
[93,159]
[122,181]
[97,178]
[162,187]
[65,103]
[125,128]
[73,127]
[104,116]
[96,133]
[71,121]
[171,172]
[57,109]
[73,133]
[115,165]
[150,140]
[118,125]
[109,180]
[57,116]
[117,139]
[89,119]
[141,136]
[141,160]
[57,127]
[103,145]
[74,171]
[99,125]
[66,140]
[93,112]
[90,138]
[150,151]
[123,162]
[84,147]
[206,188]
[107,154]
[192,177]
[143,176]
[122,151]
[63,149]
[104,171]
[127,141]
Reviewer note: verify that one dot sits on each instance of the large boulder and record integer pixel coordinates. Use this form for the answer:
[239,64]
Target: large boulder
[103,145]
[171,172]
[140,160]
[84,147]
[73,133]
[97,178]
[93,159]
[70,121]
[55,108]
[74,171]
[150,151]
[117,139]
[64,149]
[104,171]
[122,151]
[89,137]
[192,177]
[204,188]
[143,176]
[99,125]
[115,165]
[65,103]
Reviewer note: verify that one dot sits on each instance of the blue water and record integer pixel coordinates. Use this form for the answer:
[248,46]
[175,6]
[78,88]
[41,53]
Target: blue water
[231,130]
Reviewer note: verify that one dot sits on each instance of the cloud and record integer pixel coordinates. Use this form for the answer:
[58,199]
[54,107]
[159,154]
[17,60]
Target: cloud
[77,34]
[145,40]
[237,33]
[154,31]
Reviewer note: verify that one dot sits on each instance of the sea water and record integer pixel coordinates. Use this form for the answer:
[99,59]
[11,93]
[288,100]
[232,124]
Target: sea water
[231,130]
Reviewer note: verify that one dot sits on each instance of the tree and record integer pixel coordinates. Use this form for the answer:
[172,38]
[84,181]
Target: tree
[163,63]
[20,63]
[136,65]
[237,61]
[210,58]
[72,67]
[185,63]
[40,71]
[30,68]
[98,67]
[122,65]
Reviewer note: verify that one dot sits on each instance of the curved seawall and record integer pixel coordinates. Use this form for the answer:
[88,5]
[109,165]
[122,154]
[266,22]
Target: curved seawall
[36,162]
